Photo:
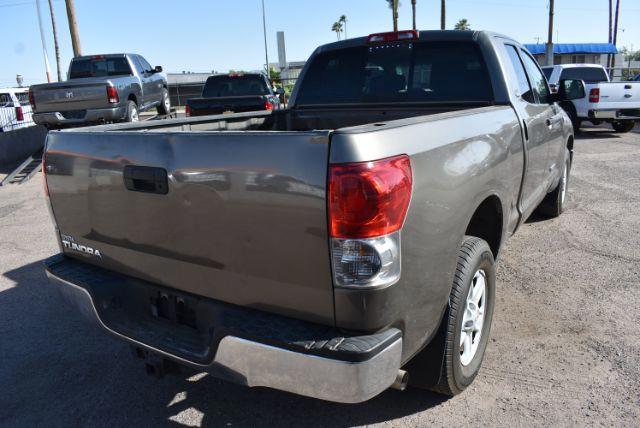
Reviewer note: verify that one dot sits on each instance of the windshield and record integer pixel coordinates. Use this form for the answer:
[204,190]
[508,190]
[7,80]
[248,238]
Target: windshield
[420,72]
[234,86]
[98,67]
[588,74]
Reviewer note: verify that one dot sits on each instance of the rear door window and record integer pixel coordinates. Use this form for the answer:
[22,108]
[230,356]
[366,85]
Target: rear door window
[99,67]
[536,78]
[521,75]
[588,74]
[413,72]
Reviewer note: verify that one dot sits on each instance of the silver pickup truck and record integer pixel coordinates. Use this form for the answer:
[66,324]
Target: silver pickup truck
[101,89]
[333,249]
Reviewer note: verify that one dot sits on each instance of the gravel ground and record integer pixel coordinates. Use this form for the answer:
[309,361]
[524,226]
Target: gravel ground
[565,346]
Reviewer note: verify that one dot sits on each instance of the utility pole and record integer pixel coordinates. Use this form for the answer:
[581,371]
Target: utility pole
[549,56]
[615,36]
[413,12]
[266,52]
[44,45]
[610,31]
[55,39]
[73,28]
[443,14]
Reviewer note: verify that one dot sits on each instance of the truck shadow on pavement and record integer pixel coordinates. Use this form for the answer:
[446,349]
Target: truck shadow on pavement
[59,370]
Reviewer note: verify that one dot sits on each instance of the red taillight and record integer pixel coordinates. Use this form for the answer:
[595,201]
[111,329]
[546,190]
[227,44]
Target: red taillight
[393,36]
[112,95]
[268,105]
[594,95]
[32,100]
[19,114]
[369,199]
[187,111]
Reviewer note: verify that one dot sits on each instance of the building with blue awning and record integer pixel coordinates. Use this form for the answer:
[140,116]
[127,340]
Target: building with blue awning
[576,53]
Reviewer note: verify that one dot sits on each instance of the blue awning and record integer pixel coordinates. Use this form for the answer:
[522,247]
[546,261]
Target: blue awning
[574,48]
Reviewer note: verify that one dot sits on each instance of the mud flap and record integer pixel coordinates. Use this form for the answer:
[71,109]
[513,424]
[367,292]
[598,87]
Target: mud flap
[426,366]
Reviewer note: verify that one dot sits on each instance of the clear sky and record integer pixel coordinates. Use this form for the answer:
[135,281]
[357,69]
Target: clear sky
[205,35]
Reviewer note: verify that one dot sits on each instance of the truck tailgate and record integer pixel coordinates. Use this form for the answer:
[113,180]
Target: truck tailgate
[243,219]
[78,94]
[617,95]
[207,106]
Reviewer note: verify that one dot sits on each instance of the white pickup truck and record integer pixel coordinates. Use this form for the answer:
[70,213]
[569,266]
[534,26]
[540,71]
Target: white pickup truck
[617,103]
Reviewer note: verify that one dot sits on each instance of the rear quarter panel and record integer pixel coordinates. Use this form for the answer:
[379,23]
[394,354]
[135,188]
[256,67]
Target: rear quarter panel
[458,159]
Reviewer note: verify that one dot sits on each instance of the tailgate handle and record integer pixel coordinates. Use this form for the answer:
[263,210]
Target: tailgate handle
[146,179]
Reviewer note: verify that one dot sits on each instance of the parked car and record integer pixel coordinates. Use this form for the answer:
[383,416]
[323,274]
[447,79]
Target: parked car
[637,78]
[15,110]
[234,93]
[617,103]
[101,89]
[333,249]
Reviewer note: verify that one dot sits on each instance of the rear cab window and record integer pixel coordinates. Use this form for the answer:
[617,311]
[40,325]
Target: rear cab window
[588,74]
[99,66]
[402,72]
[234,86]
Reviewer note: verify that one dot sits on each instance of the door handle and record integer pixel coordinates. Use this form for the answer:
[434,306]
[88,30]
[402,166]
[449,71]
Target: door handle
[549,123]
[146,179]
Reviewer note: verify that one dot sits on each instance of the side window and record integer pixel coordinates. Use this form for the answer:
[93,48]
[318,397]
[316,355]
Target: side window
[145,65]
[538,82]
[137,64]
[520,73]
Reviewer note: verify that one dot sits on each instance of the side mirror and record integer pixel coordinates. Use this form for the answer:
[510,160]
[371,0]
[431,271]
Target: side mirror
[157,69]
[280,91]
[570,89]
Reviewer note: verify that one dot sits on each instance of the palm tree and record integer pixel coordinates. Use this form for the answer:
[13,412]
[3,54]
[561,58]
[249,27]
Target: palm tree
[337,27]
[55,40]
[413,12]
[393,5]
[343,20]
[442,14]
[463,24]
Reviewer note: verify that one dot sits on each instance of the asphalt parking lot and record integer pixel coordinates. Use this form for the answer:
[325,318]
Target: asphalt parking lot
[565,347]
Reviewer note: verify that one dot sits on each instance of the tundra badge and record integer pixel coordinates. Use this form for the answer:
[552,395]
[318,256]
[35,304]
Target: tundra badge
[68,242]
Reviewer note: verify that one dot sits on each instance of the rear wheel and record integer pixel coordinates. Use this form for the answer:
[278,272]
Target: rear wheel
[573,115]
[467,322]
[165,105]
[623,125]
[132,112]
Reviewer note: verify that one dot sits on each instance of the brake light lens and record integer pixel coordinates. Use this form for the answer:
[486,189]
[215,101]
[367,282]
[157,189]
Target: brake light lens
[187,111]
[19,114]
[32,100]
[369,199]
[368,202]
[393,36]
[112,95]
[268,105]
[594,95]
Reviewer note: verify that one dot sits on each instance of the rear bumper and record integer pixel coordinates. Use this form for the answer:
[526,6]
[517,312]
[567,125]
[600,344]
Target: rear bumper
[89,116]
[289,355]
[614,114]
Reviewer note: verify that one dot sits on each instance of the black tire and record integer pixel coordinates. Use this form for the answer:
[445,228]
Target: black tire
[132,112]
[576,123]
[165,103]
[555,202]
[623,126]
[474,257]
